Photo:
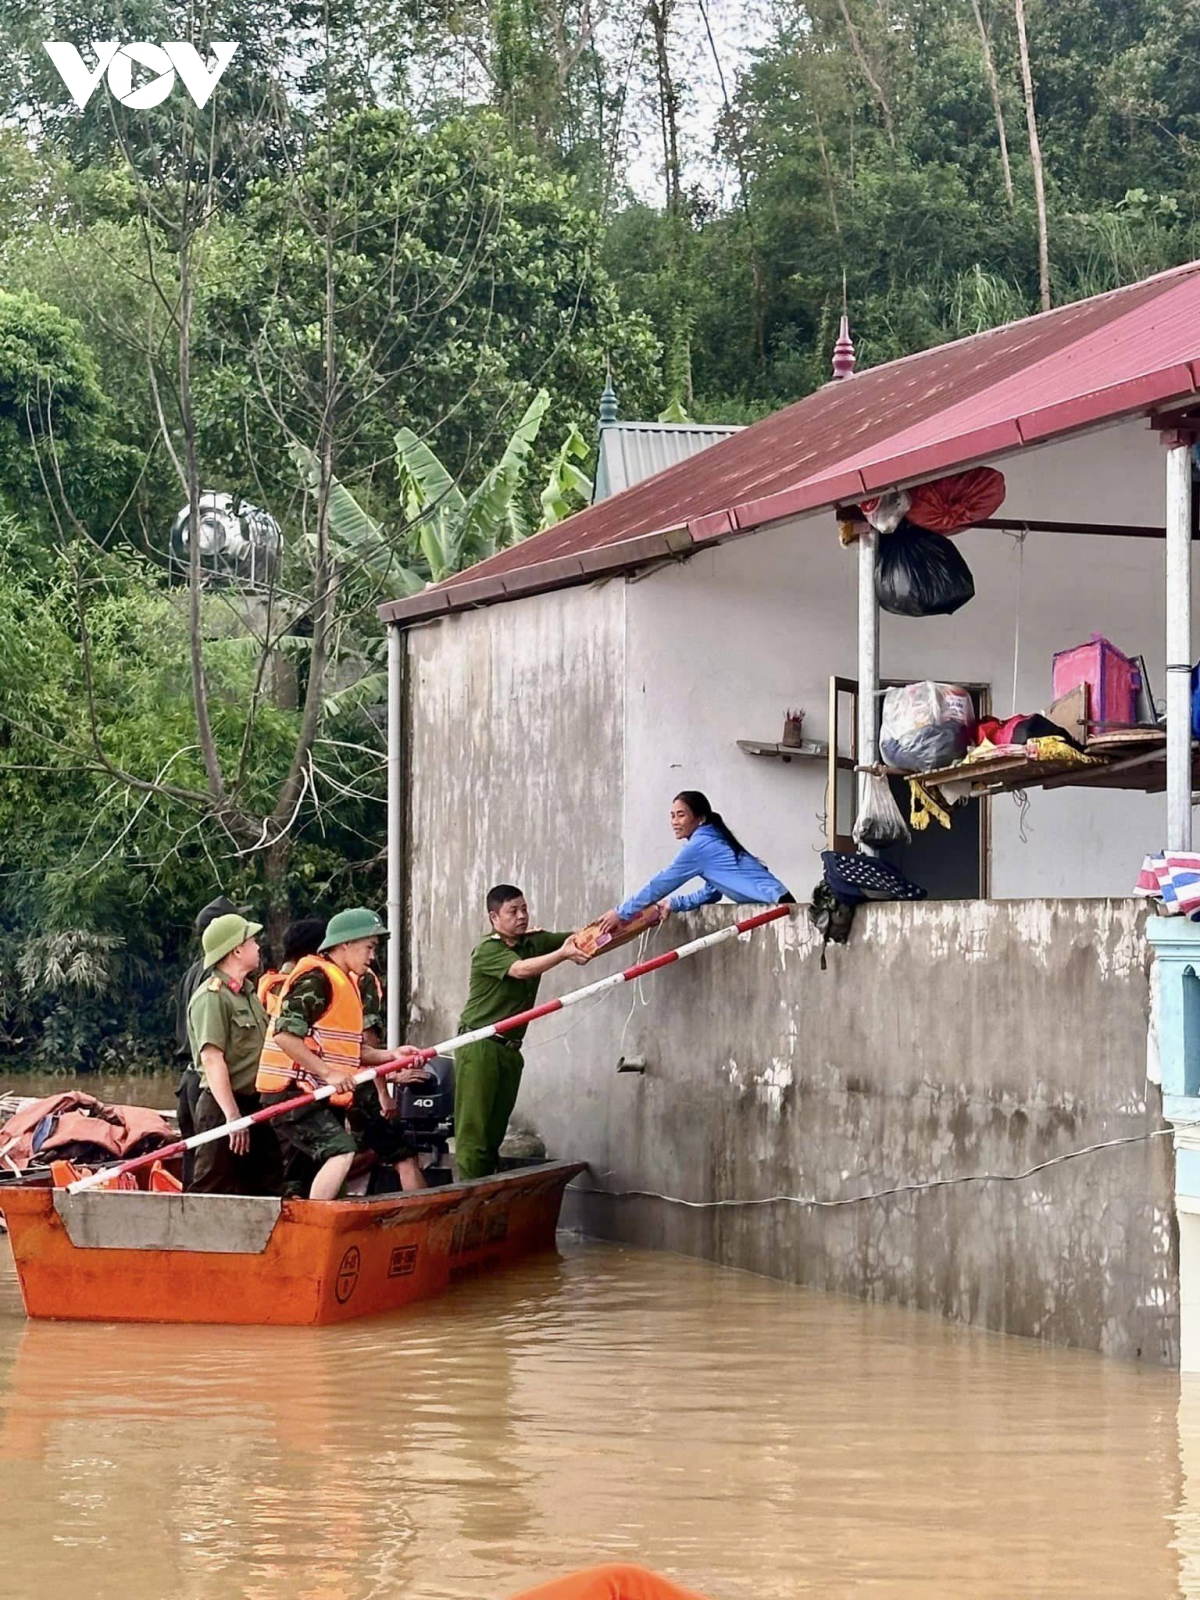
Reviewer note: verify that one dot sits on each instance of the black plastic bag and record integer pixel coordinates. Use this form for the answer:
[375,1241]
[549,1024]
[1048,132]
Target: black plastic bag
[921,574]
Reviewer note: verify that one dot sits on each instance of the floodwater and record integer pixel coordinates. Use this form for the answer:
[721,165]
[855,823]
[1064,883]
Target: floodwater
[753,1440]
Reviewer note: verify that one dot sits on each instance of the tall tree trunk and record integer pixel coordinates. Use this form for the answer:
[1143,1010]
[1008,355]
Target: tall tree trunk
[828,170]
[678,365]
[739,156]
[860,55]
[989,66]
[276,859]
[1035,156]
[659,13]
[204,731]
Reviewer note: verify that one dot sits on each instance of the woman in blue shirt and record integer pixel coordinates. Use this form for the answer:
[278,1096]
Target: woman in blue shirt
[710,851]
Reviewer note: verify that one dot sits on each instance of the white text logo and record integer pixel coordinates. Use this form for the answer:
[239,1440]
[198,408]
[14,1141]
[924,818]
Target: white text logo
[164,60]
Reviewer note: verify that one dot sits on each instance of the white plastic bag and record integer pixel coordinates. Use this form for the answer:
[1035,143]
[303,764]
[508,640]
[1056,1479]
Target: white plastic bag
[886,511]
[926,726]
[880,821]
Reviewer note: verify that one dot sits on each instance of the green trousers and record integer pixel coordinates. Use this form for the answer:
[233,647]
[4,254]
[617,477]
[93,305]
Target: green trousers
[487,1077]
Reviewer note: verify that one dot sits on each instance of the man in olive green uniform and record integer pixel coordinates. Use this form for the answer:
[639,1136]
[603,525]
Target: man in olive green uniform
[187,1091]
[506,969]
[226,1024]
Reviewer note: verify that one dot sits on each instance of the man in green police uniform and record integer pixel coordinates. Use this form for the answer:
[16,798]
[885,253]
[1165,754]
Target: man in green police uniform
[226,1024]
[506,969]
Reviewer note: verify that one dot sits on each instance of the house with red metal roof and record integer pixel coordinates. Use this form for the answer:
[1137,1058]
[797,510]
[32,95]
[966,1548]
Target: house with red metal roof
[549,702]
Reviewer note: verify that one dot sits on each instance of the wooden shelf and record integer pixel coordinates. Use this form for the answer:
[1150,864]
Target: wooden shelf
[810,750]
[1132,758]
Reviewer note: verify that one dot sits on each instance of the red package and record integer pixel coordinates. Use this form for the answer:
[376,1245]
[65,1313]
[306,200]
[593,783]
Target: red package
[593,943]
[948,505]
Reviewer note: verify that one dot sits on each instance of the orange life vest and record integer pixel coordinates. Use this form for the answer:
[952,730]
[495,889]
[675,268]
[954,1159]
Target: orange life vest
[612,1582]
[270,991]
[336,1035]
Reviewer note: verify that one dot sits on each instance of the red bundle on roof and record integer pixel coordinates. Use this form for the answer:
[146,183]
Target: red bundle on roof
[948,505]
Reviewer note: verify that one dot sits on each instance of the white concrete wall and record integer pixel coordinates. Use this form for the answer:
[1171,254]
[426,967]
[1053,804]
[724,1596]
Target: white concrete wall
[718,647]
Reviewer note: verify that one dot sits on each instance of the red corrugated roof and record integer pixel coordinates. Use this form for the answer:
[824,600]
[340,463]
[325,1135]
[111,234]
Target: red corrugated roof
[933,412]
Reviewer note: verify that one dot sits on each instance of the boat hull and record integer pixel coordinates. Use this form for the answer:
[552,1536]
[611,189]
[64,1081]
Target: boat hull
[123,1257]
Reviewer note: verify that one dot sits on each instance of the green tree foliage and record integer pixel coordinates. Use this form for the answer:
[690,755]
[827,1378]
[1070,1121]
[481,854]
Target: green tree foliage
[867,140]
[463,278]
[451,528]
[56,447]
[92,866]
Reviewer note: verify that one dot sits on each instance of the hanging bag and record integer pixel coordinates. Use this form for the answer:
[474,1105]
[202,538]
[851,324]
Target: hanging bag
[921,574]
[880,821]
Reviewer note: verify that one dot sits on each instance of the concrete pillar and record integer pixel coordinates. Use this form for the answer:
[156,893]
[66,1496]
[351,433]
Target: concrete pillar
[868,659]
[1176,945]
[1179,645]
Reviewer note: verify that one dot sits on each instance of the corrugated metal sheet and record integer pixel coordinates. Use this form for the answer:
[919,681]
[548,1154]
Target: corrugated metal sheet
[631,452]
[1110,356]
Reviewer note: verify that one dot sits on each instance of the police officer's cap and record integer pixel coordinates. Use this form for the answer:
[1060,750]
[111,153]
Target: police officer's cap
[357,923]
[225,934]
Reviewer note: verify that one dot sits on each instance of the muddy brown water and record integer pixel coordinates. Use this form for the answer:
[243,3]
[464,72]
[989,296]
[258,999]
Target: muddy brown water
[754,1440]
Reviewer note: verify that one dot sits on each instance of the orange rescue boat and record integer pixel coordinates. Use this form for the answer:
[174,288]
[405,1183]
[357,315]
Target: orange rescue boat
[116,1256]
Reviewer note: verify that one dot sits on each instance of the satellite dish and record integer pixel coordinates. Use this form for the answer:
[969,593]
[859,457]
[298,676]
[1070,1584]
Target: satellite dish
[239,543]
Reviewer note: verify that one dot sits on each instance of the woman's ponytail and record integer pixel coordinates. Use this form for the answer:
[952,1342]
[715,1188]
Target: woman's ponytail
[698,805]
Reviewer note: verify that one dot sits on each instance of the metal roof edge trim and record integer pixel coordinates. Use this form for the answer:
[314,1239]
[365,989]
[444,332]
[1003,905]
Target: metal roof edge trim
[1066,415]
[539,577]
[712,525]
[810,496]
[942,454]
[959,450]
[427,603]
[675,427]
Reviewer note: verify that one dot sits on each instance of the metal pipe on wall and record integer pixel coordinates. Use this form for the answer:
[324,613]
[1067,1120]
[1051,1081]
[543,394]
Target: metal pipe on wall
[868,658]
[1179,646]
[395,834]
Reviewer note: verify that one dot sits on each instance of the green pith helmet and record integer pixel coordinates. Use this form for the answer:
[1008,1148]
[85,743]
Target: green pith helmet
[357,923]
[225,934]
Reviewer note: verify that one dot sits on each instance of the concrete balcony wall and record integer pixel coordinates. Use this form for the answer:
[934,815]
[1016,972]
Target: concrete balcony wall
[944,1041]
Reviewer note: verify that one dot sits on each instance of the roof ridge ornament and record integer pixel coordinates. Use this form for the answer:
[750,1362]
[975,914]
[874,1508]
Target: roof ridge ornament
[844,357]
[608,400]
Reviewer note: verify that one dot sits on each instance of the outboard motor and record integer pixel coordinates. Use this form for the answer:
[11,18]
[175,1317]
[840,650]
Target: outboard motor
[427,1112]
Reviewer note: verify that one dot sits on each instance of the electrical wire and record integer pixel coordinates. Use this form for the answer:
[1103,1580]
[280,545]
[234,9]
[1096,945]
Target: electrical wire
[814,1203]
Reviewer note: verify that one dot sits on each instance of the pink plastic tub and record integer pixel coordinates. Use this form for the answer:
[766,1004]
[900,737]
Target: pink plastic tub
[1112,678]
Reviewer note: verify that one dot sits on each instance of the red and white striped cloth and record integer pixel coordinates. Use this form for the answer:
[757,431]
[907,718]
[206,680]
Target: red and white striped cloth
[1174,878]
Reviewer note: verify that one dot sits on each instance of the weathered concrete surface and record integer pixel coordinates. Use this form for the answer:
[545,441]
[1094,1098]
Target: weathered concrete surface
[946,1040]
[516,763]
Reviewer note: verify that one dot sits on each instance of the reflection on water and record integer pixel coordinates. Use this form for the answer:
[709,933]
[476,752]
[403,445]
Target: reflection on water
[757,1441]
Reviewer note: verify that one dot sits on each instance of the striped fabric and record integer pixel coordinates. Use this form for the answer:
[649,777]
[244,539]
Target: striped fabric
[1174,878]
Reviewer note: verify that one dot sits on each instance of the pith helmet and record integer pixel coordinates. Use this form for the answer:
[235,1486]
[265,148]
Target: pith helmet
[357,923]
[225,934]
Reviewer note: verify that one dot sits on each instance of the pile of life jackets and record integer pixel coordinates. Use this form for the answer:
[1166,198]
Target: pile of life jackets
[79,1128]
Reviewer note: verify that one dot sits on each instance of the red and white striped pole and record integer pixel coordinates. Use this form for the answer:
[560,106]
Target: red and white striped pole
[521,1020]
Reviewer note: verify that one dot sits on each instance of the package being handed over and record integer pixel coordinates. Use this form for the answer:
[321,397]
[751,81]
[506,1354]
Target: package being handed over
[592,942]
[926,726]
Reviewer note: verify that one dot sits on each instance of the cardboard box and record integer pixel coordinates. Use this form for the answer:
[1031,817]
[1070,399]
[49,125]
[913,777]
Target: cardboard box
[594,943]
